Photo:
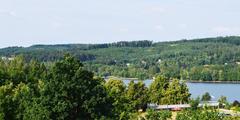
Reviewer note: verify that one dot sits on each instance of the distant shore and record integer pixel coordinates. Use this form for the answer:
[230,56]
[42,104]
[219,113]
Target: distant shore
[188,81]
[230,82]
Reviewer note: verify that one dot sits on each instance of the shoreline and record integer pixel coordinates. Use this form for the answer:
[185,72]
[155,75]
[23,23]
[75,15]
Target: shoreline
[188,81]
[229,82]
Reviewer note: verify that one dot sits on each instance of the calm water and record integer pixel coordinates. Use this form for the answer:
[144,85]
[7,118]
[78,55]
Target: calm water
[231,91]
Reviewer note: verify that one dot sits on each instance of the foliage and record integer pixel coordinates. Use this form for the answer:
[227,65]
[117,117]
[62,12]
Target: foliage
[158,115]
[206,97]
[231,118]
[137,96]
[235,108]
[194,103]
[116,90]
[236,103]
[223,102]
[64,91]
[162,91]
[79,94]
[207,59]
[157,89]
[199,115]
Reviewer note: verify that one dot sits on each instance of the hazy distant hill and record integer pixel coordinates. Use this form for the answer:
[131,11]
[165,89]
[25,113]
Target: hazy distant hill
[198,59]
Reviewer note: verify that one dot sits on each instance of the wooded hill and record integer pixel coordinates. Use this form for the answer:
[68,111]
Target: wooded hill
[207,59]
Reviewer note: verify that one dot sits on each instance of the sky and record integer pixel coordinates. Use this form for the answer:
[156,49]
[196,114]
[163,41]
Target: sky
[28,22]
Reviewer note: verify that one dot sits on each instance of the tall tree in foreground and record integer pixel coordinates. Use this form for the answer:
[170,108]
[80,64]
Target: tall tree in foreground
[162,91]
[137,96]
[72,93]
[116,90]
[173,93]
[157,89]
[184,94]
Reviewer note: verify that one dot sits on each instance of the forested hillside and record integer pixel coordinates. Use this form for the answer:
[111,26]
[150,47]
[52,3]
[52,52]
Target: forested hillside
[208,59]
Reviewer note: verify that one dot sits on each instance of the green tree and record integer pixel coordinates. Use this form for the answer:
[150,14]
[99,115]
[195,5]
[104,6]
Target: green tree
[116,90]
[184,94]
[158,115]
[199,115]
[173,93]
[236,103]
[162,91]
[157,89]
[206,97]
[194,103]
[223,101]
[137,95]
[72,93]
[7,105]
[14,100]
[154,70]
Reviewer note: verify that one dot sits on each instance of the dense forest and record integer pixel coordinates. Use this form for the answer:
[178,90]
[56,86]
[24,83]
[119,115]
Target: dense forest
[207,59]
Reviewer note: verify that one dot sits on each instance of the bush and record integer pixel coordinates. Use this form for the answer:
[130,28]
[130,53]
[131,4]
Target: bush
[236,104]
[206,97]
[199,115]
[194,103]
[158,115]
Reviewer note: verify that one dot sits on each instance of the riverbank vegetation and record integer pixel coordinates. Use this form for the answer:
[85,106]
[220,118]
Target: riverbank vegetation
[66,90]
[208,59]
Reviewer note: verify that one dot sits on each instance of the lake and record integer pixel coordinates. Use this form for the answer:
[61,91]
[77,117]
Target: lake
[231,91]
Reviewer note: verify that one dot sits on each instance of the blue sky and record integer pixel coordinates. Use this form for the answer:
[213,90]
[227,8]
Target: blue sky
[28,22]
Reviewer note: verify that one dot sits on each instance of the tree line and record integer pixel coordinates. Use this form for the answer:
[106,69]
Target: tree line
[207,59]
